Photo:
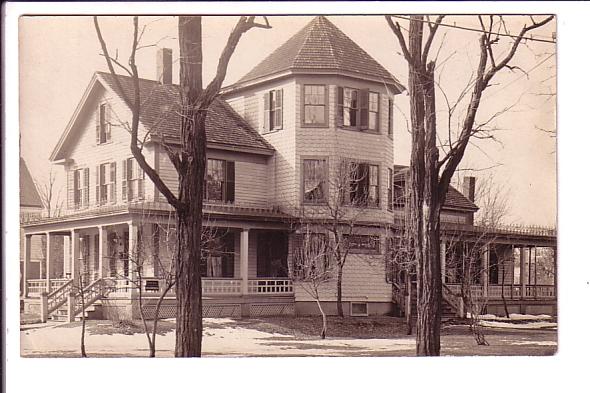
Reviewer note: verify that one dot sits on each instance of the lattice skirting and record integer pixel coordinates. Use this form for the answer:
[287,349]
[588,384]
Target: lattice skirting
[261,310]
[166,311]
[222,310]
[209,311]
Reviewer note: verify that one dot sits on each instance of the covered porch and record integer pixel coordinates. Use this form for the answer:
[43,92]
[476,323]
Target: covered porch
[244,263]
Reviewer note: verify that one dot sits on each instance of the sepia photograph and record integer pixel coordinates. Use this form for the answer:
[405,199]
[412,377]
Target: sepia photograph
[251,184]
[197,193]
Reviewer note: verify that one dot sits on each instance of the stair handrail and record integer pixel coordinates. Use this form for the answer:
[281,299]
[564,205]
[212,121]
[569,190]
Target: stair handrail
[92,293]
[450,296]
[59,296]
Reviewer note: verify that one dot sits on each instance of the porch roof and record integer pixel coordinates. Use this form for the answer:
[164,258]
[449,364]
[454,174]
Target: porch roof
[120,213]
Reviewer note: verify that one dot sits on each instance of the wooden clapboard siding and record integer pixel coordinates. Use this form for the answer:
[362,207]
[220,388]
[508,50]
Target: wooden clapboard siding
[84,152]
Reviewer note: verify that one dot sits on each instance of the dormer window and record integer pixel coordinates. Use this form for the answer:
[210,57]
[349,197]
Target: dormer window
[358,109]
[273,110]
[103,124]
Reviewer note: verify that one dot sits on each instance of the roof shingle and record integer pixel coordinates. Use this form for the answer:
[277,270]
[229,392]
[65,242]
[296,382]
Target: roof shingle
[320,45]
[454,198]
[160,109]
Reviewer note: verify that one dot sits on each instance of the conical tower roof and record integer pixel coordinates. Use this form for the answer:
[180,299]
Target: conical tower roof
[321,46]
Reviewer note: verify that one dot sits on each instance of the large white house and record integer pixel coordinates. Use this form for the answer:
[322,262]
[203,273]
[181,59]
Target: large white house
[276,140]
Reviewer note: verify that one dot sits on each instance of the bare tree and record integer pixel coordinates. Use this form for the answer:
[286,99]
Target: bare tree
[340,211]
[311,268]
[51,195]
[430,174]
[189,161]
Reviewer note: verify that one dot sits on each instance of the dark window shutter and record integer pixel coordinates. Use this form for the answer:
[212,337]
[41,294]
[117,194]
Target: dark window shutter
[266,125]
[340,107]
[98,125]
[107,127]
[227,266]
[278,112]
[70,186]
[390,118]
[230,181]
[124,180]
[364,108]
[86,186]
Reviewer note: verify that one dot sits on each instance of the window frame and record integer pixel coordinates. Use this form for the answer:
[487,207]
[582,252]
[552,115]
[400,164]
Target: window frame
[390,118]
[326,106]
[362,110]
[326,187]
[368,251]
[103,123]
[133,180]
[228,186]
[272,110]
[390,188]
[81,187]
[349,187]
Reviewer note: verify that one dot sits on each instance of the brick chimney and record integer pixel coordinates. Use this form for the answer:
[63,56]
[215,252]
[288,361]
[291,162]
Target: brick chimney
[469,188]
[164,66]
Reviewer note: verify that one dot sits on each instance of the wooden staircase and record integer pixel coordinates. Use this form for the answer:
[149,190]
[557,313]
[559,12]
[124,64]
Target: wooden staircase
[65,303]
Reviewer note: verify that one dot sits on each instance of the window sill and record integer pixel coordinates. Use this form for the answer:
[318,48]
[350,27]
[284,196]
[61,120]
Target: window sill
[271,131]
[307,125]
[372,132]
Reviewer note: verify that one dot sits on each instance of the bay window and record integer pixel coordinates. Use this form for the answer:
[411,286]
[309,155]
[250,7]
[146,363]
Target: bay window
[315,188]
[357,109]
[315,99]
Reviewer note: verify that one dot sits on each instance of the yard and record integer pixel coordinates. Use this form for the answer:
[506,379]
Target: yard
[284,336]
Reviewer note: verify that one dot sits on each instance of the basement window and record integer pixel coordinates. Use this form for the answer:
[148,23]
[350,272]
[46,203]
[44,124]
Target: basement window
[359,309]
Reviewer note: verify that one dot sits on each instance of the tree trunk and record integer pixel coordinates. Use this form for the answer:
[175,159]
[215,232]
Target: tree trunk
[191,174]
[339,292]
[324,320]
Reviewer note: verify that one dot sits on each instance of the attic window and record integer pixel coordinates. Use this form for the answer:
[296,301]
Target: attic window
[103,124]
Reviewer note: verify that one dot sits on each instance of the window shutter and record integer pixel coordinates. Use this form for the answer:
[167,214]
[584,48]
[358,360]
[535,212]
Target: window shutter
[124,180]
[390,117]
[340,107]
[130,192]
[364,108]
[140,181]
[266,125]
[230,181]
[107,127]
[278,112]
[86,186]
[113,182]
[98,125]
[98,201]
[70,187]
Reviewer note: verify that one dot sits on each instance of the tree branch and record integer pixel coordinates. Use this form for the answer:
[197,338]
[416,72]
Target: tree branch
[395,27]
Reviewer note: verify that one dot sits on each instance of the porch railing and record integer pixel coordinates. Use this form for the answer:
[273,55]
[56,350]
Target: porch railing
[511,291]
[270,285]
[222,286]
[36,286]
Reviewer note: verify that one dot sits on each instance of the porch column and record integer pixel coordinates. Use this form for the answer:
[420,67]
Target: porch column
[132,252]
[244,260]
[26,263]
[75,254]
[443,260]
[47,262]
[522,264]
[66,256]
[555,271]
[486,267]
[102,235]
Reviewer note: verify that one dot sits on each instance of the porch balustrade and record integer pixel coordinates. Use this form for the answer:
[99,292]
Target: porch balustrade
[221,286]
[36,286]
[270,285]
[511,291]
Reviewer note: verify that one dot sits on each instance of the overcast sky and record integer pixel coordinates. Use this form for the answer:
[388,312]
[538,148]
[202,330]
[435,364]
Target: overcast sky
[58,56]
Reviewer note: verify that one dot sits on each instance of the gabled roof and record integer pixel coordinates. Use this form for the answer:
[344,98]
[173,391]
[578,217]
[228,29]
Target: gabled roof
[160,108]
[29,196]
[159,114]
[321,46]
[454,198]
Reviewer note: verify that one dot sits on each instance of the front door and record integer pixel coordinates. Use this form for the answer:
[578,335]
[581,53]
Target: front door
[272,250]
